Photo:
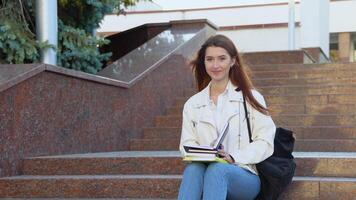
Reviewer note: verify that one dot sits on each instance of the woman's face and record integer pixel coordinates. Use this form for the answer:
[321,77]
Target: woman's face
[217,63]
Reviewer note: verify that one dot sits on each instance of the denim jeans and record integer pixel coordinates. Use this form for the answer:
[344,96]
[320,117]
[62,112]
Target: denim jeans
[218,181]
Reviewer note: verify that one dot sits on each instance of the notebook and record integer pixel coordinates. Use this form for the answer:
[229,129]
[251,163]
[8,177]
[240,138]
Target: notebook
[189,149]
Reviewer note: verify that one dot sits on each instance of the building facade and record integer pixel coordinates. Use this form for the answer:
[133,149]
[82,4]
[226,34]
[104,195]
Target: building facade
[263,26]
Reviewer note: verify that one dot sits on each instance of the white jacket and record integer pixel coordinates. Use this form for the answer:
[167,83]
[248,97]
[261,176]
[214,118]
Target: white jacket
[198,127]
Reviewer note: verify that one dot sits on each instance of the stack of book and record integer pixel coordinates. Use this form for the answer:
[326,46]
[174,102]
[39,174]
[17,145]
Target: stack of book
[206,153]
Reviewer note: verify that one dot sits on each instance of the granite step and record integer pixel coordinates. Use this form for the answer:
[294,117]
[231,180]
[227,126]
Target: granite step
[301,89]
[328,145]
[88,198]
[311,99]
[315,119]
[280,120]
[154,186]
[276,109]
[312,108]
[320,85]
[324,132]
[300,132]
[90,186]
[306,73]
[169,162]
[319,99]
[287,90]
[313,188]
[157,144]
[161,132]
[83,199]
[303,81]
[308,89]
[290,67]
[106,163]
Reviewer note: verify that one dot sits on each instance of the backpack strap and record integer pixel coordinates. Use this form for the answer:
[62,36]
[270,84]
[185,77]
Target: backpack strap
[248,120]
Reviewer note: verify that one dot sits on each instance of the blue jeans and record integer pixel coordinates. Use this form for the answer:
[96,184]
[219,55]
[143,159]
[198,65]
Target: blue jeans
[218,181]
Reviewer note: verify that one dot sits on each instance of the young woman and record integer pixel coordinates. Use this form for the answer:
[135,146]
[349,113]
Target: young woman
[222,82]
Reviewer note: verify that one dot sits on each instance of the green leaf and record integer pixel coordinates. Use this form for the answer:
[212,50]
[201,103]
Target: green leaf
[77,49]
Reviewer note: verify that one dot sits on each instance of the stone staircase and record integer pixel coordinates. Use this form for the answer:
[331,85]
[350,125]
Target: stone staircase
[317,102]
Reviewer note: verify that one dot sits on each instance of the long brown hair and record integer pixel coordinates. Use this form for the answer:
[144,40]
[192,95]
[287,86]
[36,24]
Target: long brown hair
[238,74]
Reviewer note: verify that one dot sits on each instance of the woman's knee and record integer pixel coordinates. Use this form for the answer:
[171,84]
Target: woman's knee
[216,169]
[194,169]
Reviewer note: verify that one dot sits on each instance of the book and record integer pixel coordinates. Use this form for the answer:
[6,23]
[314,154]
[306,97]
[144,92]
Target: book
[206,153]
[208,149]
[204,159]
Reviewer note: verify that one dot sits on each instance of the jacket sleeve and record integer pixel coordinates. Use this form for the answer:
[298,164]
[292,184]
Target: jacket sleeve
[188,134]
[263,131]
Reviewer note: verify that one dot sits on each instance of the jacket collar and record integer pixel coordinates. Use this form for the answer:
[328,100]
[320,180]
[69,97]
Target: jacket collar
[233,95]
[232,109]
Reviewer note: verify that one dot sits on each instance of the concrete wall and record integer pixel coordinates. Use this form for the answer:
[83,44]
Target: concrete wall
[263,39]
[315,24]
[341,17]
[235,16]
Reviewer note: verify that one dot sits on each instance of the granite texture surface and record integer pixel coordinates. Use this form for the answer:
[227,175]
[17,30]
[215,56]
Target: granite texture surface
[129,186]
[49,110]
[274,57]
[310,166]
[154,186]
[55,112]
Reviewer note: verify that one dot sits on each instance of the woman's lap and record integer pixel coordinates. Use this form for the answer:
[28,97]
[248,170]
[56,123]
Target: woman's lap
[219,179]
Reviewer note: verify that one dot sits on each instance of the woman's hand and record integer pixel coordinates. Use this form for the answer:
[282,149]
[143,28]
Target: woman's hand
[225,156]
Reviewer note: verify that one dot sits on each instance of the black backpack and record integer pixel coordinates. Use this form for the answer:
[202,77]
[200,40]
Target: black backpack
[277,171]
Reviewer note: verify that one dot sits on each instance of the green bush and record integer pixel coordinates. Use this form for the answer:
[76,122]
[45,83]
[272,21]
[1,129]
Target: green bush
[78,51]
[17,42]
[16,47]
[77,48]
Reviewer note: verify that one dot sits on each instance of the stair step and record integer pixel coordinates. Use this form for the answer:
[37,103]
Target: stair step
[312,99]
[154,186]
[291,67]
[312,109]
[312,73]
[317,102]
[169,162]
[109,163]
[300,132]
[94,186]
[161,132]
[308,89]
[320,99]
[296,90]
[160,144]
[83,199]
[295,109]
[315,120]
[280,120]
[338,145]
[324,132]
[320,188]
[260,82]
[333,145]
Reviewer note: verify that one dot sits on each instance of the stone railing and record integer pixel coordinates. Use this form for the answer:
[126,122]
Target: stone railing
[49,110]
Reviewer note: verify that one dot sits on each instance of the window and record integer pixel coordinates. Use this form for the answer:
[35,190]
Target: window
[334,47]
[353,47]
